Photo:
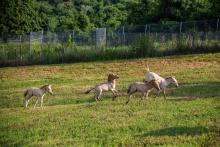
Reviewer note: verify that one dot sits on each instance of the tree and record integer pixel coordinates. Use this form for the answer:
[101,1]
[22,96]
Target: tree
[48,19]
[113,17]
[83,22]
[18,16]
[196,9]
[67,16]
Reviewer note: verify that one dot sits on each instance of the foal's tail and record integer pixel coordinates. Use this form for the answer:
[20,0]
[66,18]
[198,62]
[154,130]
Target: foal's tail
[25,93]
[129,89]
[89,90]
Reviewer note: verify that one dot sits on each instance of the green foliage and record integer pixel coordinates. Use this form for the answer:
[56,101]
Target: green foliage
[48,20]
[19,16]
[66,16]
[113,17]
[84,22]
[143,46]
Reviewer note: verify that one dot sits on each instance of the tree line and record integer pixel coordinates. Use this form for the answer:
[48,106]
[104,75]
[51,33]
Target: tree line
[22,16]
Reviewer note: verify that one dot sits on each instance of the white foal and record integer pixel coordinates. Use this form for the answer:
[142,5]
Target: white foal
[38,92]
[163,82]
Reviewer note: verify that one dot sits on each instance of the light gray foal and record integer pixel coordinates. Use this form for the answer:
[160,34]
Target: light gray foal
[110,85]
[143,87]
[38,92]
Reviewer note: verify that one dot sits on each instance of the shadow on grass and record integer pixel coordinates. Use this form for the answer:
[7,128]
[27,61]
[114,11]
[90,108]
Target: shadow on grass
[185,92]
[176,131]
[80,99]
[197,90]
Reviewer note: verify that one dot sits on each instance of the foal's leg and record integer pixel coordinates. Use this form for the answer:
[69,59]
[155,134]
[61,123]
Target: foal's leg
[113,92]
[37,101]
[147,93]
[129,98]
[26,100]
[41,101]
[130,95]
[116,92]
[143,95]
[158,93]
[164,93]
[97,95]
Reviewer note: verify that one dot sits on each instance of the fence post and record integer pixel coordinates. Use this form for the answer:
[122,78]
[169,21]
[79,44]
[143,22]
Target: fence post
[180,33]
[30,37]
[42,36]
[149,32]
[194,26]
[73,37]
[123,34]
[41,43]
[206,30]
[217,30]
[106,38]
[181,26]
[145,30]
[96,29]
[20,46]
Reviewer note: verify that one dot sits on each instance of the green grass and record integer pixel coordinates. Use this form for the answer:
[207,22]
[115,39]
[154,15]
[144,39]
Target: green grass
[189,117]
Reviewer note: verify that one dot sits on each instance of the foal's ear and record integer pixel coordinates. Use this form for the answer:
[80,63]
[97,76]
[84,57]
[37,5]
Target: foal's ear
[147,68]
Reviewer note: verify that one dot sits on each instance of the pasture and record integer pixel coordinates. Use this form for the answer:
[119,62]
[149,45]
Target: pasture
[189,117]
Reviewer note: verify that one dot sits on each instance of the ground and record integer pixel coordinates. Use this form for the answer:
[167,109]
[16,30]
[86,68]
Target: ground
[189,117]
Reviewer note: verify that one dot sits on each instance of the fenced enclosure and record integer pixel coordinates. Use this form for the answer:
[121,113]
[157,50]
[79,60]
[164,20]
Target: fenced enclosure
[101,44]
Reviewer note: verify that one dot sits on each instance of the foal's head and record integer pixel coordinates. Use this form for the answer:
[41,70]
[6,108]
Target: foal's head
[47,88]
[172,80]
[112,77]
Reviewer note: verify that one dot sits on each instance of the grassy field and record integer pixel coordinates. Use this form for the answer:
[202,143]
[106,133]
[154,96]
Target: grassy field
[189,117]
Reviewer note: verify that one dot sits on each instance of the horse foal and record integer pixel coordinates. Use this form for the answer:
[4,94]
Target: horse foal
[38,92]
[163,82]
[110,85]
[143,87]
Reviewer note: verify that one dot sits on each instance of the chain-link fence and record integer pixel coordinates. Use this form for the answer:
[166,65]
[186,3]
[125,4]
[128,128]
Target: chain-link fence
[70,46]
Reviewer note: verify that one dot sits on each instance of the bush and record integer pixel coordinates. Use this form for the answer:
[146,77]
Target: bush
[143,46]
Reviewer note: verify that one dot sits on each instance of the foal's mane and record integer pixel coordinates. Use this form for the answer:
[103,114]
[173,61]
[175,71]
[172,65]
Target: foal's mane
[169,78]
[154,84]
[44,86]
